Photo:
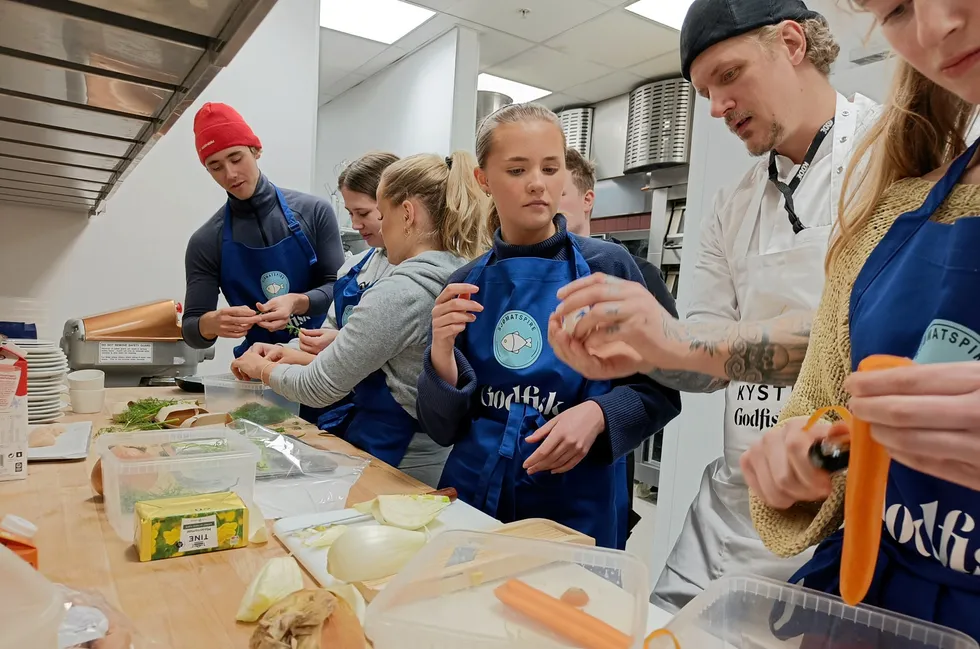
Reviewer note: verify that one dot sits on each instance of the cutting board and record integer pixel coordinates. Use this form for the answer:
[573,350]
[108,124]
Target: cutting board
[458,516]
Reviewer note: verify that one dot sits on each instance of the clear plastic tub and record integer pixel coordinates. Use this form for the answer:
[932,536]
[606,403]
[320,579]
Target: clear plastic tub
[757,613]
[445,597]
[172,463]
[31,607]
[251,400]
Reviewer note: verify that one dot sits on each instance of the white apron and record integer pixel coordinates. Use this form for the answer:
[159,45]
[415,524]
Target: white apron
[718,537]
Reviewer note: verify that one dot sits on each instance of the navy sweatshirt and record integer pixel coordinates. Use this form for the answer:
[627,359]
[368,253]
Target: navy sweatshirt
[635,408]
[259,223]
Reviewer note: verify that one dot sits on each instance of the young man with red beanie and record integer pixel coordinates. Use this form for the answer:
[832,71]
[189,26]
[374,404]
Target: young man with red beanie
[274,253]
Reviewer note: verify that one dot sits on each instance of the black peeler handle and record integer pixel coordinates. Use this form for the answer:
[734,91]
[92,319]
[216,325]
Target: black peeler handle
[829,455]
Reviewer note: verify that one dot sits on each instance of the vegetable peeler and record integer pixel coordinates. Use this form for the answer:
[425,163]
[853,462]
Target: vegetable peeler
[831,455]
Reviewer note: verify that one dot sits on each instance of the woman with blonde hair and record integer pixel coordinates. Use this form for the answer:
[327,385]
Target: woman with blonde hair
[432,223]
[903,279]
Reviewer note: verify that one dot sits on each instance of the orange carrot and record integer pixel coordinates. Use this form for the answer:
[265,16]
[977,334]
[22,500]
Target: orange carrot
[561,618]
[658,634]
[840,411]
[864,498]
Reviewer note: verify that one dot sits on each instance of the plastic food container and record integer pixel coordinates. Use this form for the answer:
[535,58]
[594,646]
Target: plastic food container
[31,607]
[445,597]
[757,613]
[251,400]
[172,463]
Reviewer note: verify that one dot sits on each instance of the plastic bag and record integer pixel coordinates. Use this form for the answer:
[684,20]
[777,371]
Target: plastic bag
[92,623]
[293,478]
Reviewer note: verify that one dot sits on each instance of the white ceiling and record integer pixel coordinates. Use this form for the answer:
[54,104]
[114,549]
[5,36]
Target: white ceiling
[582,50]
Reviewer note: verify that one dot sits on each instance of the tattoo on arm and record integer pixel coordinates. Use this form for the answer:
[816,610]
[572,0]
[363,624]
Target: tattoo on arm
[770,352]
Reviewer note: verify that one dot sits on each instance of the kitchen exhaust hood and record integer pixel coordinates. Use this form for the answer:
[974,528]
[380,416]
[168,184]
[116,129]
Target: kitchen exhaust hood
[87,87]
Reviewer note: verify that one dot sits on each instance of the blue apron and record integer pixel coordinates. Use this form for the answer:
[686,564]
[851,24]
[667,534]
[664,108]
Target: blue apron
[522,384]
[372,420]
[253,275]
[346,295]
[916,296]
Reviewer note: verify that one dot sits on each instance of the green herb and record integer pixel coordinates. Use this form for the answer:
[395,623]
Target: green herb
[293,329]
[281,429]
[261,415]
[141,415]
[129,497]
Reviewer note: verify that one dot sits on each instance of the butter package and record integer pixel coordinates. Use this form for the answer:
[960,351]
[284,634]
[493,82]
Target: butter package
[177,527]
[13,412]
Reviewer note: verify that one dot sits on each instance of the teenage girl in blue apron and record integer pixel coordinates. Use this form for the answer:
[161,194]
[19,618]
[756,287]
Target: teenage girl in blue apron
[531,437]
[914,297]
[358,184]
[432,225]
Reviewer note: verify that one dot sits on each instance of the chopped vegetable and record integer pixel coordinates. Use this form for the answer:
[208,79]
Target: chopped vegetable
[576,597]
[561,618]
[279,578]
[257,531]
[660,633]
[411,512]
[374,552]
[320,536]
[259,414]
[295,622]
[864,498]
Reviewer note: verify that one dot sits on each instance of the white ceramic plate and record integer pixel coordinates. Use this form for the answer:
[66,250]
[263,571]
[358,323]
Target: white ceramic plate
[57,362]
[45,419]
[42,404]
[71,445]
[49,388]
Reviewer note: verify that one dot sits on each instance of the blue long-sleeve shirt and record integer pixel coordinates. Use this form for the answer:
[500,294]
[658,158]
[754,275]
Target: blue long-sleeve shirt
[635,408]
[258,222]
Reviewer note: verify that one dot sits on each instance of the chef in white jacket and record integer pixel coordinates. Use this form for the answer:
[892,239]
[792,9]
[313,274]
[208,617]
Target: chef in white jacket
[764,65]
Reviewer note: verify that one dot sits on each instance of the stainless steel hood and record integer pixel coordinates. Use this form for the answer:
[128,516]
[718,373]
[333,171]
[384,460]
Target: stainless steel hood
[88,87]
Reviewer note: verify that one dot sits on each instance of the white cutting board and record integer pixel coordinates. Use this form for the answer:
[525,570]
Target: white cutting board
[458,516]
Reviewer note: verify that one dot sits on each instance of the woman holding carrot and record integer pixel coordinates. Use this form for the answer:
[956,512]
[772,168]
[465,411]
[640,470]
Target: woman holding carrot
[903,280]
[531,437]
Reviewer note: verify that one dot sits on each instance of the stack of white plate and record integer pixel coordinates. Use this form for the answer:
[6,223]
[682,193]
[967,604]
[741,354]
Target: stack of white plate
[47,367]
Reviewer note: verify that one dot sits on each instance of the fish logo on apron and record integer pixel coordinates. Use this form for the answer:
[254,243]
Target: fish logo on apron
[274,284]
[349,309]
[517,340]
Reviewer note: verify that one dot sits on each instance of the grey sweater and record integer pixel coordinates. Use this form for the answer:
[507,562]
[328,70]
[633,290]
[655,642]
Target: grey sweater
[389,329]
[259,223]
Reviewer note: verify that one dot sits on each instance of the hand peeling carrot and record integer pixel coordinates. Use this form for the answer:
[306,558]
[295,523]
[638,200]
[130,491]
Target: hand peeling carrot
[563,619]
[659,633]
[864,498]
[840,411]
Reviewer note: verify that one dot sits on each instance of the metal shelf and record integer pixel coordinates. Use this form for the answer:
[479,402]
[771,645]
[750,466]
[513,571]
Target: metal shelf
[87,87]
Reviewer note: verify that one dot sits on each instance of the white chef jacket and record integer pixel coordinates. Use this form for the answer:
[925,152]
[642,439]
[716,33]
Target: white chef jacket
[752,267]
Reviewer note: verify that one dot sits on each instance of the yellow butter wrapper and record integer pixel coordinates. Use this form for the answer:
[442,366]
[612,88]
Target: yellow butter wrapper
[177,527]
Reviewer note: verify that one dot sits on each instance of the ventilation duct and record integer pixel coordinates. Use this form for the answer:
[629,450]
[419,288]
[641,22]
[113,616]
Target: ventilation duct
[658,133]
[489,102]
[577,125]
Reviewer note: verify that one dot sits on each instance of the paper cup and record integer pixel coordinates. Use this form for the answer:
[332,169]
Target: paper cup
[86,402]
[86,380]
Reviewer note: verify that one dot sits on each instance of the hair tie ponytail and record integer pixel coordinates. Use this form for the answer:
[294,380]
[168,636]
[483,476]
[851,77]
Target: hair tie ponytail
[449,162]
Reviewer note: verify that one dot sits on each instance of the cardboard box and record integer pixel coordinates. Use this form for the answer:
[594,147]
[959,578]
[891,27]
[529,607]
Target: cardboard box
[176,527]
[13,412]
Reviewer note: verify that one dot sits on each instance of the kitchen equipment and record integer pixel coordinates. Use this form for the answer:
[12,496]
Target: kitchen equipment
[489,102]
[86,402]
[135,346]
[352,241]
[765,614]
[179,462]
[86,380]
[446,596]
[576,123]
[658,133]
[190,384]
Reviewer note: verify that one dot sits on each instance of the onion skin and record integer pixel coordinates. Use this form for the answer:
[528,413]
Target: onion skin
[375,552]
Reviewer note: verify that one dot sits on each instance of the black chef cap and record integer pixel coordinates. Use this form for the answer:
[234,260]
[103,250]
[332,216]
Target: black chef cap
[709,22]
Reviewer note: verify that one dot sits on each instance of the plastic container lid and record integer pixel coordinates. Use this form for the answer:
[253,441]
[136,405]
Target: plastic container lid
[758,613]
[18,526]
[230,382]
[31,607]
[445,597]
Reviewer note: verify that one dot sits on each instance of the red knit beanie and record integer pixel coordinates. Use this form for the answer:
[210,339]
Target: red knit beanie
[218,127]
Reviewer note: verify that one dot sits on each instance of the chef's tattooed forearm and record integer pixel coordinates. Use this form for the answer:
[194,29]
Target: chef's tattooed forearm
[770,352]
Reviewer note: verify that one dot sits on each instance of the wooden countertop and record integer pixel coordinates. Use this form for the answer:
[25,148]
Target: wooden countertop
[183,603]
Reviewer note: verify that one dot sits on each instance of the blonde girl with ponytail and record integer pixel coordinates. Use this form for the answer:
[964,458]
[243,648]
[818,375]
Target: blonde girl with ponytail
[531,437]
[432,222]
[903,281]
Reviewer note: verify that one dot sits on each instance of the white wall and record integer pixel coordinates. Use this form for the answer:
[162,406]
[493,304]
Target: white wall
[424,103]
[134,251]
[719,159]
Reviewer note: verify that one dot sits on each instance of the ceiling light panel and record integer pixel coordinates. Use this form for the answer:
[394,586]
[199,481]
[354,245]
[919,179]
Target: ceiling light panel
[669,13]
[384,21]
[519,92]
